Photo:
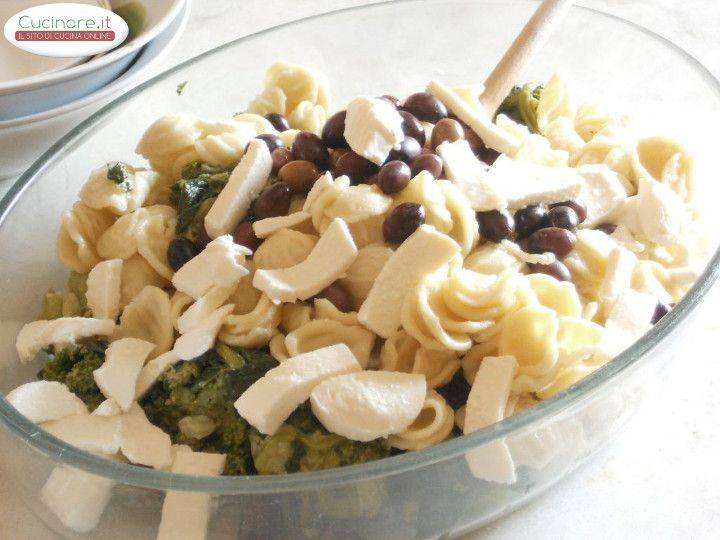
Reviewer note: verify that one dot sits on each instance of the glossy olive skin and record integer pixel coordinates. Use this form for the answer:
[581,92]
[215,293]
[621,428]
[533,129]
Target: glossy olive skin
[446,130]
[495,225]
[425,107]
[278,121]
[427,162]
[530,219]
[280,157]
[607,228]
[299,175]
[409,149]
[412,127]
[392,100]
[661,310]
[273,142]
[402,222]
[309,147]
[244,235]
[577,205]
[393,177]
[334,129]
[551,239]
[274,201]
[563,217]
[354,166]
[338,295]
[556,269]
[180,251]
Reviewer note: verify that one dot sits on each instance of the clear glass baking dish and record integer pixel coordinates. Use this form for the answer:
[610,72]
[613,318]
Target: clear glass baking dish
[387,48]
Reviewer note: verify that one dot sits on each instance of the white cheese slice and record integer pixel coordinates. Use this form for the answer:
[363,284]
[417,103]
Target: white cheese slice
[220,264]
[486,405]
[186,514]
[373,127]
[61,332]
[425,251]
[272,398]
[43,401]
[627,322]
[244,185]
[118,375]
[661,213]
[202,308]
[475,118]
[143,443]
[202,338]
[103,289]
[77,498]
[630,215]
[468,173]
[109,407]
[265,227]
[366,405]
[97,434]
[151,372]
[602,192]
[328,260]
[522,183]
[618,276]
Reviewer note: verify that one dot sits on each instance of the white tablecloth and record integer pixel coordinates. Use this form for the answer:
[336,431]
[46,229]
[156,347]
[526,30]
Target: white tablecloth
[661,478]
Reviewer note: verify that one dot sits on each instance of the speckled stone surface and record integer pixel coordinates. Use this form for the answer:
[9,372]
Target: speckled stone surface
[661,477]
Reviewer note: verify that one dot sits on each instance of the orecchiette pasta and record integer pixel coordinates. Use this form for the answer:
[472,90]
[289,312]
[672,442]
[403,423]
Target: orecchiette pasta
[283,249]
[433,425]
[320,333]
[126,191]
[361,275]
[308,117]
[555,102]
[666,161]
[179,302]
[299,84]
[136,275]
[77,241]
[253,329]
[153,237]
[147,317]
[325,309]
[271,100]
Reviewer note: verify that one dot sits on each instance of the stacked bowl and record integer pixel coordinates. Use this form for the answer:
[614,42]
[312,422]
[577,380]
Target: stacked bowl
[41,98]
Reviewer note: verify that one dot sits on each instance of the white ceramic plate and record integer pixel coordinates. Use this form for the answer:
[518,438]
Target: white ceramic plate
[22,140]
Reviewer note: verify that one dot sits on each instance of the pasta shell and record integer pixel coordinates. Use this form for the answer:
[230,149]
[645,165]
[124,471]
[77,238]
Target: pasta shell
[153,237]
[433,425]
[321,333]
[136,275]
[79,233]
[148,317]
[252,329]
[100,192]
[283,249]
[118,241]
[364,271]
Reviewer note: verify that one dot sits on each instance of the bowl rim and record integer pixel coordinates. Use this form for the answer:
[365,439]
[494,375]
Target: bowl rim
[158,47]
[53,77]
[562,403]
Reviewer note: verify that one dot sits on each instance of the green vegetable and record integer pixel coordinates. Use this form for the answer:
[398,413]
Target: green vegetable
[67,304]
[74,367]
[521,105]
[134,14]
[181,87]
[303,444]
[193,195]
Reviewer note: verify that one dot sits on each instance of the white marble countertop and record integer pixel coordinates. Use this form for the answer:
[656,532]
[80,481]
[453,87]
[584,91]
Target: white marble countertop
[661,478]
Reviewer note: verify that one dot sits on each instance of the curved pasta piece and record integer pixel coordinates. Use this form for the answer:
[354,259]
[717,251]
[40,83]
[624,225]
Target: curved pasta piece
[433,425]
[368,231]
[299,84]
[288,138]
[362,273]
[398,352]
[261,124]
[590,120]
[271,100]
[357,203]
[560,296]
[179,302]
[320,333]
[148,317]
[277,348]
[323,194]
[401,352]
[153,237]
[136,275]
[295,315]
[666,161]
[283,249]
[252,329]
[530,335]
[79,234]
[118,241]
[555,102]
[491,258]
[308,117]
[245,297]
[223,149]
[325,309]
[169,136]
[126,191]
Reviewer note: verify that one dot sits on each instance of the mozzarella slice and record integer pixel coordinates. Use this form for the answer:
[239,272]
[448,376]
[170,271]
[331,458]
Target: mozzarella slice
[476,118]
[522,183]
[265,227]
[618,275]
[201,338]
[602,192]
[203,307]
[486,405]
[328,260]
[43,401]
[117,377]
[37,335]
[661,213]
[373,127]
[468,173]
[627,322]
[109,407]
[97,434]
[77,498]
[151,372]
[244,185]
[103,289]
[143,443]
[186,514]
[367,405]
[425,251]
[271,399]
[220,264]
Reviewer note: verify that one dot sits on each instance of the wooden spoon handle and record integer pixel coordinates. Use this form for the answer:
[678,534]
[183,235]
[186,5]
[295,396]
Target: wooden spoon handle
[518,57]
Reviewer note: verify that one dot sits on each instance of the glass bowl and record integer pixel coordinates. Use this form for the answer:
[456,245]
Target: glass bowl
[387,48]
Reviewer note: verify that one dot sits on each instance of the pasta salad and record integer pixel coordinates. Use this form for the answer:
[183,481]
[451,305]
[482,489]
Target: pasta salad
[293,289]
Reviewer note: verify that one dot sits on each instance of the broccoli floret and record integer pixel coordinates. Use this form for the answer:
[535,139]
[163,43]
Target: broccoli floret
[209,385]
[303,444]
[521,105]
[71,303]
[193,195]
[74,366]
